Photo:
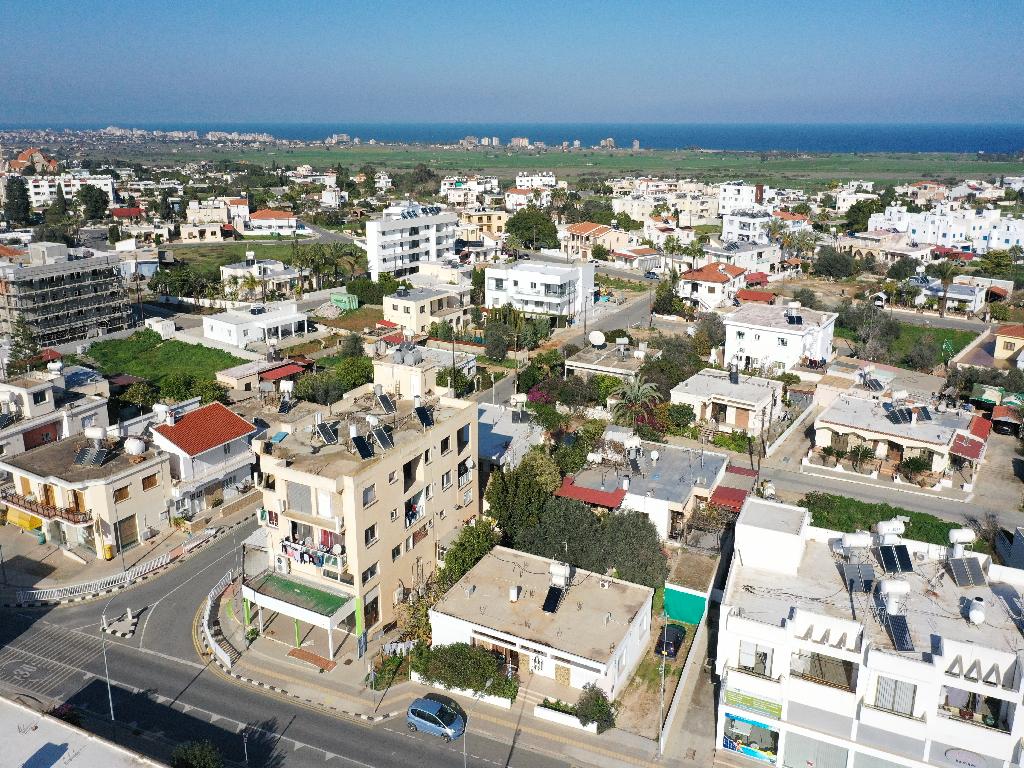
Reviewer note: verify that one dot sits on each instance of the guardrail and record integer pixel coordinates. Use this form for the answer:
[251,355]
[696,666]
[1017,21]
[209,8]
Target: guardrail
[91,587]
[211,598]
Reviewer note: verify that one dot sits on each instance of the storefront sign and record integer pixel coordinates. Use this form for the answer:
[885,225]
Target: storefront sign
[752,703]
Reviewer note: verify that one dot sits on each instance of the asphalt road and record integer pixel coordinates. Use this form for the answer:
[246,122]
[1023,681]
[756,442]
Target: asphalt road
[163,693]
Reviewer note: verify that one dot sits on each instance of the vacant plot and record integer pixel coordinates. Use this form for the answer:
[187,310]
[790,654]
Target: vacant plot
[911,336]
[207,259]
[146,355]
[357,319]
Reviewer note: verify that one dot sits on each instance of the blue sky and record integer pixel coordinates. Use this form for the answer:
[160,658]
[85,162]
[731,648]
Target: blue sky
[67,61]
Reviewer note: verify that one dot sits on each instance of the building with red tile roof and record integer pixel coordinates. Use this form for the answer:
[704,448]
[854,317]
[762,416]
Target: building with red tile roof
[711,286]
[759,297]
[581,238]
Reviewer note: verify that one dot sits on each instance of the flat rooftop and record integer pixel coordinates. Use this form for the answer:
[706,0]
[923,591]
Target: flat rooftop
[57,460]
[710,383]
[499,435]
[612,358]
[673,478]
[422,293]
[879,379]
[692,568]
[772,316]
[934,606]
[932,426]
[589,623]
[32,740]
[250,369]
[299,594]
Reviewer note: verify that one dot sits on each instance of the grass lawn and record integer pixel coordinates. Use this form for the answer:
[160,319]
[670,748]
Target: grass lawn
[839,513]
[144,354]
[911,335]
[618,284]
[490,363]
[357,319]
[207,260]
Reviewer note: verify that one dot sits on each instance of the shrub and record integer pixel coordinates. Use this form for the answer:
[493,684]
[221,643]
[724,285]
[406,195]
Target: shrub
[593,707]
[197,754]
[559,706]
[732,441]
[468,667]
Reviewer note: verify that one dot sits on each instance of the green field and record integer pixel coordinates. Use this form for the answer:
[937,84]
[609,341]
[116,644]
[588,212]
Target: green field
[911,335]
[807,170]
[207,259]
[145,355]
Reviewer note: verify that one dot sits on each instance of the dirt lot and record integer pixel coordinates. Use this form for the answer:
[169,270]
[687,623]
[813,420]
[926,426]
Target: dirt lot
[364,317]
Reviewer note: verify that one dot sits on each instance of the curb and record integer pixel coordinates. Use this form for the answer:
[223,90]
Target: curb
[276,689]
[157,572]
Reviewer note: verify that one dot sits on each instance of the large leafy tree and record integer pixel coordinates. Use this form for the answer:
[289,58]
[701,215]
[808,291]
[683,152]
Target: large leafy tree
[94,202]
[633,549]
[515,498]
[24,346]
[534,228]
[472,543]
[16,206]
[197,754]
[566,530]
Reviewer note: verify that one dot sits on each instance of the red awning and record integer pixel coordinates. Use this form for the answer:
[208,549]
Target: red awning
[728,498]
[1006,413]
[394,338]
[967,447]
[592,496]
[747,294]
[737,470]
[386,324]
[995,290]
[282,372]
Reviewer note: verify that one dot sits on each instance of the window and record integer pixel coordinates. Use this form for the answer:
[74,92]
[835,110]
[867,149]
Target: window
[755,658]
[446,445]
[408,543]
[227,448]
[422,307]
[370,535]
[396,552]
[825,670]
[122,493]
[88,421]
[394,514]
[405,310]
[429,491]
[740,334]
[783,342]
[370,573]
[393,476]
[1009,346]
[39,397]
[895,696]
[272,518]
[150,481]
[369,495]
[426,456]
[446,480]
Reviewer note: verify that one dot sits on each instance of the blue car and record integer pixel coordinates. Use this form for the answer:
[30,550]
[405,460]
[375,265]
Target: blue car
[435,718]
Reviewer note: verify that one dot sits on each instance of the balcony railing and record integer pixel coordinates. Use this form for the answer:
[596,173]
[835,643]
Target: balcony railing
[465,478]
[974,718]
[893,712]
[47,511]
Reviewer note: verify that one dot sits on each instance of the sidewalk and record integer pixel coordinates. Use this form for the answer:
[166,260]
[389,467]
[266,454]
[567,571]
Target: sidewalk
[343,690]
[30,565]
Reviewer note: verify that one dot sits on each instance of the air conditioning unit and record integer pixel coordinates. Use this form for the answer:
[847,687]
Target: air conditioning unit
[282,563]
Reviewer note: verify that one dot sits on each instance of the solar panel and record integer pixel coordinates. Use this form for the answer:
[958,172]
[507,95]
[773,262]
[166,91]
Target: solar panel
[903,558]
[961,576]
[327,433]
[385,401]
[363,447]
[634,465]
[924,414]
[974,569]
[6,419]
[82,457]
[425,417]
[860,577]
[552,599]
[887,556]
[899,632]
[383,438]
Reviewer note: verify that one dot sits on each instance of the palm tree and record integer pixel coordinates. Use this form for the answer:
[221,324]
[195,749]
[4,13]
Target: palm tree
[859,454]
[635,399]
[914,466]
[945,271]
[775,230]
[805,242]
[250,284]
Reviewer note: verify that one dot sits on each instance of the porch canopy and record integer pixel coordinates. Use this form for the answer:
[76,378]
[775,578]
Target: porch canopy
[300,601]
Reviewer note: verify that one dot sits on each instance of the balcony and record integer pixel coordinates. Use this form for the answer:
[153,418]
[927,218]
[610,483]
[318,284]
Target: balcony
[46,511]
[465,479]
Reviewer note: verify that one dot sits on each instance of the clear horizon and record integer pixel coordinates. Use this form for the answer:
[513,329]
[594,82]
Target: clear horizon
[532,62]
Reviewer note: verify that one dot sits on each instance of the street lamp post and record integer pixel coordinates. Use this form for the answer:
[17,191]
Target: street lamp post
[106,669]
[661,717]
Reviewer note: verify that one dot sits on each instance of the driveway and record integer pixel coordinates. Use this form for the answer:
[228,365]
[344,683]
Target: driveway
[998,486]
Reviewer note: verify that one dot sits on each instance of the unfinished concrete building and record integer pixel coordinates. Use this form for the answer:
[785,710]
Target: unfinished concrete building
[63,296]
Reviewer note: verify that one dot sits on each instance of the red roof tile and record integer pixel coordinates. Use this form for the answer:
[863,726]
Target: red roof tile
[268,213]
[1006,413]
[205,428]
[757,278]
[126,213]
[10,253]
[980,427]
[967,447]
[716,272]
[593,496]
[1016,331]
[728,498]
[394,338]
[281,372]
[764,297]
[386,324]
[789,216]
[587,229]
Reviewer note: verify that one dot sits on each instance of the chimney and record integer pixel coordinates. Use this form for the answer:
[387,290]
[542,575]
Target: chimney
[172,417]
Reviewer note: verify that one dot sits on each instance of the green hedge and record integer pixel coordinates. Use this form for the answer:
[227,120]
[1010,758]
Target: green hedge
[468,667]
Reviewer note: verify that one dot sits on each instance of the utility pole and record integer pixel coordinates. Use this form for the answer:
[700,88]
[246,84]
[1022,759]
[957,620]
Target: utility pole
[106,669]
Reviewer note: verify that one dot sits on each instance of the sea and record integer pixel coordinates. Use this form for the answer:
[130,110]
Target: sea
[992,138]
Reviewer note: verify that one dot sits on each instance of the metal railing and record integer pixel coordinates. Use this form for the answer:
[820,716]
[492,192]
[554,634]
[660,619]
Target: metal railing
[48,511]
[100,585]
[211,598]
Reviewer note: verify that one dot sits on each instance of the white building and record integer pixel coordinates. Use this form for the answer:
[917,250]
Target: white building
[406,234]
[332,197]
[271,222]
[240,327]
[557,621]
[518,198]
[826,657]
[740,196]
[735,403]
[980,229]
[467,190]
[536,180]
[273,275]
[211,461]
[776,339]
[753,257]
[711,286]
[381,181]
[43,189]
[541,289]
[746,226]
[218,210]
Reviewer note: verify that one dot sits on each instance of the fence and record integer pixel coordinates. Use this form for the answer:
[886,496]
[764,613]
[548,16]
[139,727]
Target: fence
[92,587]
[211,599]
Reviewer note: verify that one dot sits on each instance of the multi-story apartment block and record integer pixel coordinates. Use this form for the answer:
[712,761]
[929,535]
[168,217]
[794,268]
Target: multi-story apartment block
[964,229]
[740,196]
[62,296]
[466,190]
[407,234]
[43,189]
[828,656]
[536,180]
[579,239]
[415,309]
[88,491]
[490,222]
[746,226]
[777,339]
[357,501]
[541,289]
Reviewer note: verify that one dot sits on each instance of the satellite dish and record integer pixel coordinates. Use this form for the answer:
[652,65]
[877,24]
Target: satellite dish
[336,549]
[596,338]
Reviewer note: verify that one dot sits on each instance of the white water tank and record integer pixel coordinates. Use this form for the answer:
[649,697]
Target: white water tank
[958,537]
[976,612]
[858,540]
[133,446]
[894,594]
[890,528]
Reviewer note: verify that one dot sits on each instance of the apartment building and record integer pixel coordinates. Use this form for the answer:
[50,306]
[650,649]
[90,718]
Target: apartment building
[488,221]
[414,309]
[776,339]
[63,296]
[357,501]
[580,239]
[42,190]
[964,229]
[746,226]
[518,198]
[541,289]
[100,495]
[866,650]
[405,235]
[740,196]
[467,190]
[42,407]
[753,257]
[536,180]
[208,446]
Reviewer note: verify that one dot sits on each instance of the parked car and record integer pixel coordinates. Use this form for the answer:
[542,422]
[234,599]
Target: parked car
[651,274]
[435,718]
[670,640]
[523,256]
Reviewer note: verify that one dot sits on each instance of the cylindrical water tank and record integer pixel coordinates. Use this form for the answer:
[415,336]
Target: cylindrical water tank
[976,613]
